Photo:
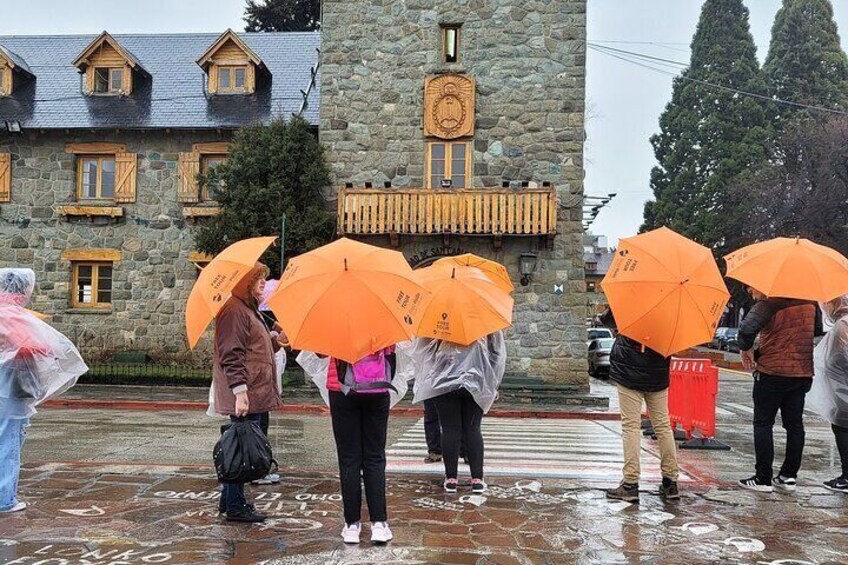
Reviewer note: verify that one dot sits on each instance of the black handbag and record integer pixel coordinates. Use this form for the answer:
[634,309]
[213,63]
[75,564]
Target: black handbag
[19,382]
[243,453]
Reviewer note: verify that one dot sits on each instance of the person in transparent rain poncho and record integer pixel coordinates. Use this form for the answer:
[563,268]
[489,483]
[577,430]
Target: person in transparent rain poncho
[36,363]
[464,382]
[829,393]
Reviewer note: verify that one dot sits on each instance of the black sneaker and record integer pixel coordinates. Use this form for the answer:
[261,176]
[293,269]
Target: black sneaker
[625,492]
[223,510]
[478,486]
[668,490]
[451,485]
[839,484]
[784,484]
[245,514]
[755,485]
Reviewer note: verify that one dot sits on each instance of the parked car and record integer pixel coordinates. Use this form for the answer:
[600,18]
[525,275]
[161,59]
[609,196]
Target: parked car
[732,344]
[729,336]
[719,335]
[598,333]
[599,356]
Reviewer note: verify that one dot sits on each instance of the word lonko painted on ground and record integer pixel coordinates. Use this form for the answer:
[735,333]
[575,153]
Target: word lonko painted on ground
[51,555]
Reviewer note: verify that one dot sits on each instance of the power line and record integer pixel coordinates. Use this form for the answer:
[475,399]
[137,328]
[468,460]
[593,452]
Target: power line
[626,56]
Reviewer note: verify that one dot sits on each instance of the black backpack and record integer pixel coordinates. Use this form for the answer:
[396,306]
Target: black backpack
[243,453]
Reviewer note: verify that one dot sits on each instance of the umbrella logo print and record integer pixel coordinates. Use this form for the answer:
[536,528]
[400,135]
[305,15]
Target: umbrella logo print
[217,298]
[408,319]
[444,315]
[624,252]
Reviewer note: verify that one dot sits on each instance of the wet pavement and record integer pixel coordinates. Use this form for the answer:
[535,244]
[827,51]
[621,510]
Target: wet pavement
[132,487]
[133,514]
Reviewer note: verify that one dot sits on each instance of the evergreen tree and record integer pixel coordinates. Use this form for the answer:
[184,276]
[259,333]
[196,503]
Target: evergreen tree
[271,170]
[282,15]
[805,63]
[708,135]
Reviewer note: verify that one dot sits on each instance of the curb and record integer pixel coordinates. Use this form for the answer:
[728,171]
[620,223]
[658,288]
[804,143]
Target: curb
[315,409]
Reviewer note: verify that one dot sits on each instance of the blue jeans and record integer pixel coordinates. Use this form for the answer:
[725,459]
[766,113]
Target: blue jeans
[232,495]
[12,437]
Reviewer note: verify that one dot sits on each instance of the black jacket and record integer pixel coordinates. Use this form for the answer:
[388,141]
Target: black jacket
[631,367]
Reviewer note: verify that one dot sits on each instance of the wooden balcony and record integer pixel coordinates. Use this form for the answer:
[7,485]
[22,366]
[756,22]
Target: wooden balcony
[469,211]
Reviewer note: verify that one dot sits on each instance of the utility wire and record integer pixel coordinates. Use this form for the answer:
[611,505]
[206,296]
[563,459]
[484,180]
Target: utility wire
[628,56]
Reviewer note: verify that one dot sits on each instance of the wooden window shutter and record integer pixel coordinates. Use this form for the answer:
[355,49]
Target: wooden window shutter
[5,177]
[126,170]
[212,85]
[88,88]
[189,168]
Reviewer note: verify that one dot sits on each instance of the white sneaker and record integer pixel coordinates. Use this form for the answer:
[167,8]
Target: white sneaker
[380,532]
[16,508]
[269,479]
[350,533]
[784,484]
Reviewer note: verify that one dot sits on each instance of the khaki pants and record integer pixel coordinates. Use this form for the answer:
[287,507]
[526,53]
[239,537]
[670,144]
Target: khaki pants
[631,427]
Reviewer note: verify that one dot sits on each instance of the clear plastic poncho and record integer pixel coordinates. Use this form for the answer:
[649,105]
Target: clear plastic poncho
[316,368]
[440,367]
[829,393]
[36,361]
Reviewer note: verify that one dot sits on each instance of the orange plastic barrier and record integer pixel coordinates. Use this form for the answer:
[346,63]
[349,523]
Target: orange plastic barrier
[692,401]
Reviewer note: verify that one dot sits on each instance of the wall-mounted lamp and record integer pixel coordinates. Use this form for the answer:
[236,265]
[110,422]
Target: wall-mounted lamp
[13,126]
[527,266]
[446,183]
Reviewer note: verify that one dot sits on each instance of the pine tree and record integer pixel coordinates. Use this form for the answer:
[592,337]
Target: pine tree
[805,63]
[282,15]
[271,170]
[708,135]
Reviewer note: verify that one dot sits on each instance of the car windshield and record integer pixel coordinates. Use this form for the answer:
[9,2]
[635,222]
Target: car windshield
[605,343]
[595,334]
[732,333]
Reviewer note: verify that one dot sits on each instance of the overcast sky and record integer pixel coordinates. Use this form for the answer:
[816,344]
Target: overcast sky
[624,101]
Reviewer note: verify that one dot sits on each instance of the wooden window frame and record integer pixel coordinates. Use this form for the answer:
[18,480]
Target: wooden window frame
[99,186]
[231,72]
[110,85]
[445,29]
[428,181]
[95,281]
[204,169]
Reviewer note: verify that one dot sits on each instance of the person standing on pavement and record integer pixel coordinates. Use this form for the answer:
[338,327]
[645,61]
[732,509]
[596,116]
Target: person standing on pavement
[360,417]
[829,393]
[463,382]
[783,374]
[36,363]
[244,375]
[642,376]
[432,432]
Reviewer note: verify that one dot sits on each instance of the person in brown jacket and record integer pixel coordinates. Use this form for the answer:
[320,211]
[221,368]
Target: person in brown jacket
[244,375]
[783,375]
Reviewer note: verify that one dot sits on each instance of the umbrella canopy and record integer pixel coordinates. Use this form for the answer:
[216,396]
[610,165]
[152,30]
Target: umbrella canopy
[791,268]
[216,281]
[348,300]
[665,291]
[465,304]
[492,269]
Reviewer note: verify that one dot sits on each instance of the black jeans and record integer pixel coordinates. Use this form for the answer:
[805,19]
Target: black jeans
[360,422]
[461,418]
[841,435]
[232,494]
[432,427]
[787,394]
[265,422]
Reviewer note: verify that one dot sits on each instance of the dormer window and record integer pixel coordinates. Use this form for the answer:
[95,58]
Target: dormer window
[12,69]
[107,80]
[107,67]
[231,66]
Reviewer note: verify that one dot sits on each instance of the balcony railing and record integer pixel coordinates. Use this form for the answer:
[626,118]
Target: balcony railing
[468,211]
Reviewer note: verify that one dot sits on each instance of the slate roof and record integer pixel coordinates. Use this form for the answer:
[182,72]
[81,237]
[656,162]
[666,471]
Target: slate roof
[18,61]
[173,96]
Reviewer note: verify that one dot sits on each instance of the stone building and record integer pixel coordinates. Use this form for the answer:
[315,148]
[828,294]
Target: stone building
[452,126]
[458,126]
[597,258]
[101,140]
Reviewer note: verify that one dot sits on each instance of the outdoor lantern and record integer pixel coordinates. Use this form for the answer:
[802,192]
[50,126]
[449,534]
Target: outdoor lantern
[13,126]
[527,266]
[446,183]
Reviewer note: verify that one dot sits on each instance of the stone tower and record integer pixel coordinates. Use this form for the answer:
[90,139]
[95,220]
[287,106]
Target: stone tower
[457,126]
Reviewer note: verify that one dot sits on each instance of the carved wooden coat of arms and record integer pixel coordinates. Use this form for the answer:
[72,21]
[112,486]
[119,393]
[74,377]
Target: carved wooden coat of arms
[449,106]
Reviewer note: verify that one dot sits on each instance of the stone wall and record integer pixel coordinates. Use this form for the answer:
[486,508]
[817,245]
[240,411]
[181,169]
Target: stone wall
[528,58]
[154,276]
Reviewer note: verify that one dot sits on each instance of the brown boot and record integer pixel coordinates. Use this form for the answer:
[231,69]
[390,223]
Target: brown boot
[624,491]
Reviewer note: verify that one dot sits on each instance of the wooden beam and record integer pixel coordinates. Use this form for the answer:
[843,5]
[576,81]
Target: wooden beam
[95,148]
[108,211]
[91,255]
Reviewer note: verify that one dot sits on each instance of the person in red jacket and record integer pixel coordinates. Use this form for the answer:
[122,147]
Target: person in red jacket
[783,375]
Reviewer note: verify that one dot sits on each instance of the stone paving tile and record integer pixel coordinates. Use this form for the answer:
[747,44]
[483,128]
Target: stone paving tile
[89,514]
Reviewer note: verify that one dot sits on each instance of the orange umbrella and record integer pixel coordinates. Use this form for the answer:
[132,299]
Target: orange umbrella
[217,279]
[465,304]
[665,291]
[492,269]
[791,268]
[347,300]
